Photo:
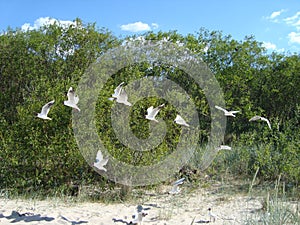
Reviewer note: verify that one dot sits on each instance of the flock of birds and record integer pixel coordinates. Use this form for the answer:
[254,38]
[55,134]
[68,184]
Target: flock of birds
[254,118]
[72,101]
[120,96]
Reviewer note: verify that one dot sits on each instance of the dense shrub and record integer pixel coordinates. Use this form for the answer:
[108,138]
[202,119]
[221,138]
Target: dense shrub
[40,65]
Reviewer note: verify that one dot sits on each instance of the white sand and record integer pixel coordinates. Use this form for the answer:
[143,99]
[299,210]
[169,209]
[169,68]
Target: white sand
[164,209]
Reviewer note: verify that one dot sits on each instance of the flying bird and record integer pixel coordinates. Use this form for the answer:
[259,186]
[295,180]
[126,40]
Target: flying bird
[116,92]
[227,113]
[123,98]
[100,162]
[152,112]
[254,118]
[179,120]
[45,110]
[175,188]
[120,95]
[72,99]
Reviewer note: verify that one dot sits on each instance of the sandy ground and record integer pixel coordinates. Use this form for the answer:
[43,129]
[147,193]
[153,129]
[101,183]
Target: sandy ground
[162,209]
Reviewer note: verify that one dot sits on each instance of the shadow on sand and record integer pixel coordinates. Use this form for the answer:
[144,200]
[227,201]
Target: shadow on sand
[16,217]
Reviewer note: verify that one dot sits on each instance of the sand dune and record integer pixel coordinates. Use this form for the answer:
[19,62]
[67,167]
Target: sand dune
[163,209]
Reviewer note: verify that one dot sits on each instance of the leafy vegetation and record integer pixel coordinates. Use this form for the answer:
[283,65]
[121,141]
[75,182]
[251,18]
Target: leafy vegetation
[37,66]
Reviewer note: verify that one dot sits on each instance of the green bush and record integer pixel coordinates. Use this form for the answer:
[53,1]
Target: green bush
[40,65]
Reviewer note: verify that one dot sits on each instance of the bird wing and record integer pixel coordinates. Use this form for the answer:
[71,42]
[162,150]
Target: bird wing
[149,110]
[255,118]
[268,122]
[46,108]
[117,90]
[177,182]
[225,147]
[178,117]
[99,156]
[103,162]
[233,111]
[220,108]
[70,93]
[123,97]
[180,120]
[72,98]
[154,111]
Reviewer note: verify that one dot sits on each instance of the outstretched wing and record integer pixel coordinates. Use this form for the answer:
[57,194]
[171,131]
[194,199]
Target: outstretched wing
[268,122]
[72,98]
[99,156]
[46,108]
[70,94]
[154,111]
[123,98]
[149,110]
[220,108]
[225,147]
[255,118]
[175,188]
[103,162]
[100,162]
[180,120]
[177,182]
[117,91]
[234,111]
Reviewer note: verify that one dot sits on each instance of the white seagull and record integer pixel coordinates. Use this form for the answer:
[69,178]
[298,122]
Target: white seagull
[72,99]
[152,112]
[45,110]
[123,98]
[175,188]
[227,113]
[261,118]
[223,147]
[116,92]
[179,120]
[100,162]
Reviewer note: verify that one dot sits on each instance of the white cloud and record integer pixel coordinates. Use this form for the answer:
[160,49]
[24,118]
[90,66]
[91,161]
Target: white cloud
[44,21]
[26,26]
[294,20]
[136,27]
[276,13]
[269,45]
[294,37]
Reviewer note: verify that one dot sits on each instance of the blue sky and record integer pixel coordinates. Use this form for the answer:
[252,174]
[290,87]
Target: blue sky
[274,22]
